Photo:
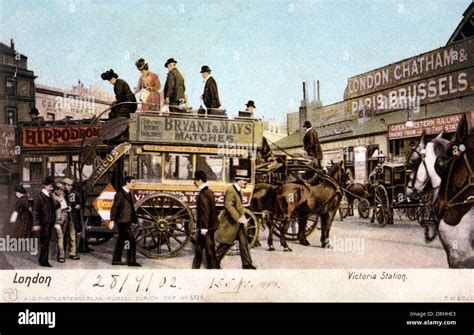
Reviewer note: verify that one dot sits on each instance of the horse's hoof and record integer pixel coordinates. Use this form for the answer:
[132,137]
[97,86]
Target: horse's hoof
[287,249]
[271,248]
[327,246]
[304,242]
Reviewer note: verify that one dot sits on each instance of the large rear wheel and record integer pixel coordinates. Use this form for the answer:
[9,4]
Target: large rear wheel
[164,225]
[382,206]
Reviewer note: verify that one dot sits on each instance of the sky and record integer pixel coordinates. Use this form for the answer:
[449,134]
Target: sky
[259,50]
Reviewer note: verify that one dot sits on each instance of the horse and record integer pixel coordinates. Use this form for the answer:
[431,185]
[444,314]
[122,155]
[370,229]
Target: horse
[454,205]
[303,200]
[421,161]
[423,179]
[354,191]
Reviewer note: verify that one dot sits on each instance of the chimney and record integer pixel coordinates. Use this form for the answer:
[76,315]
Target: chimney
[314,91]
[318,93]
[304,91]
[12,44]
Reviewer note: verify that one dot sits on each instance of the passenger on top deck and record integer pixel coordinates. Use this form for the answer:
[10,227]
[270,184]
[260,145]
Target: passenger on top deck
[125,102]
[149,84]
[249,110]
[174,90]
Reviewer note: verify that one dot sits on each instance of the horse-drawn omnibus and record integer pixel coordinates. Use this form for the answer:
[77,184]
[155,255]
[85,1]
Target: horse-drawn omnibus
[162,151]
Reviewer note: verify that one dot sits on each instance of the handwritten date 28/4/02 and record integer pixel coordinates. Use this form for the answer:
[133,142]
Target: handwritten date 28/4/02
[141,283]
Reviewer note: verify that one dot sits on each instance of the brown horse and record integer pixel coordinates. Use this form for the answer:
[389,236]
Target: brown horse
[302,201]
[454,205]
[355,191]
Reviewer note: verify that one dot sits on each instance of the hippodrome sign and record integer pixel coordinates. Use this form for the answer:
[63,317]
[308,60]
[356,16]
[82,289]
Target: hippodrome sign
[195,130]
[50,136]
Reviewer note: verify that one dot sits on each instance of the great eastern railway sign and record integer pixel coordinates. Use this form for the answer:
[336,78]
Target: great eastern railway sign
[197,130]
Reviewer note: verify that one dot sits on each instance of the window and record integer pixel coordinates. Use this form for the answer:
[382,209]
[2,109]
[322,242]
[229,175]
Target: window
[149,166]
[349,154]
[10,85]
[36,172]
[212,165]
[238,166]
[178,167]
[10,116]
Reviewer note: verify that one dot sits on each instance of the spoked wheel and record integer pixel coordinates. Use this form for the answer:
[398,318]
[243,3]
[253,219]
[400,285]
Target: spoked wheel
[427,221]
[363,207]
[382,206]
[412,213]
[292,232]
[252,231]
[164,225]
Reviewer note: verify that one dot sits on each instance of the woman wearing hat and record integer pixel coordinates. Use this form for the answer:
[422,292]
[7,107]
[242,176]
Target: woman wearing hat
[125,102]
[21,216]
[149,84]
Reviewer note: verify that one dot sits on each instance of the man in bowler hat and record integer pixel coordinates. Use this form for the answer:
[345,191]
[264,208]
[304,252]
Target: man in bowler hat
[44,217]
[249,110]
[210,96]
[232,226]
[311,143]
[206,223]
[123,213]
[174,90]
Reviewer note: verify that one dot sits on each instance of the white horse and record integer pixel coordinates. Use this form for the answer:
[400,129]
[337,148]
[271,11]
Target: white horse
[422,161]
[455,230]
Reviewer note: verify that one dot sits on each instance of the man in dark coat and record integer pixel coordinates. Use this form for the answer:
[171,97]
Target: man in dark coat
[44,217]
[232,225]
[206,223]
[311,143]
[123,214]
[211,94]
[174,87]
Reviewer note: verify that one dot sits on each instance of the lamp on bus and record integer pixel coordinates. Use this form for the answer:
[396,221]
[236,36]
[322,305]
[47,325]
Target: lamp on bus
[381,157]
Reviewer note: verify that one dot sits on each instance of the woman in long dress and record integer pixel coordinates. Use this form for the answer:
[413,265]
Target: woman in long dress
[22,217]
[125,102]
[149,84]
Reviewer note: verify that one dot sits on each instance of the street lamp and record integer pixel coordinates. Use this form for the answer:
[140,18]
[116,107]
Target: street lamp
[381,157]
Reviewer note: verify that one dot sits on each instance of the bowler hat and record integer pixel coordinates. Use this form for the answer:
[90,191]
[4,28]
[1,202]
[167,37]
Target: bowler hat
[200,175]
[241,174]
[251,103]
[20,189]
[205,68]
[49,181]
[129,178]
[169,61]
[307,124]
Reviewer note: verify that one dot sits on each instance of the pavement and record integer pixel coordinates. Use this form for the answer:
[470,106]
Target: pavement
[356,244]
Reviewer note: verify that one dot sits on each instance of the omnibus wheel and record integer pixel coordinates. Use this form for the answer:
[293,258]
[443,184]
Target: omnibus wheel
[165,224]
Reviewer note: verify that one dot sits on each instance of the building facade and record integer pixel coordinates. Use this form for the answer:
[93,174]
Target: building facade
[77,103]
[386,109]
[17,97]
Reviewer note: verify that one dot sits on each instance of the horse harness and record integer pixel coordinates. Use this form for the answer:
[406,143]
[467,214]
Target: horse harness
[415,166]
[453,202]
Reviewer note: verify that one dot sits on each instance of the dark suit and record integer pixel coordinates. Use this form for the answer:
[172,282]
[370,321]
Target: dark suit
[211,95]
[206,219]
[44,216]
[311,144]
[174,89]
[230,229]
[123,214]
[123,93]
